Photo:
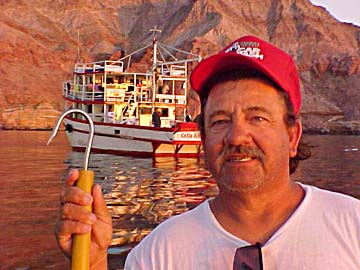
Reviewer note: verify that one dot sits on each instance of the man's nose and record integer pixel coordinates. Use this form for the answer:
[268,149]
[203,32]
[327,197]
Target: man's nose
[239,133]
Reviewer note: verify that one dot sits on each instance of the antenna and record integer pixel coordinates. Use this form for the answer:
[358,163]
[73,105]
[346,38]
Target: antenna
[78,45]
[155,30]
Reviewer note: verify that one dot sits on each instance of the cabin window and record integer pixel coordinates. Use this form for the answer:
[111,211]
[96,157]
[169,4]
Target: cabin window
[145,110]
[165,112]
[89,109]
[98,80]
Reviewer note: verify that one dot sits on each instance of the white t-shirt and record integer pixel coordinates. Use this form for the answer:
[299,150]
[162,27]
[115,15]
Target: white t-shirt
[323,233]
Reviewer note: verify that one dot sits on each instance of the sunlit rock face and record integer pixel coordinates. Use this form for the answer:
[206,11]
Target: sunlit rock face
[42,40]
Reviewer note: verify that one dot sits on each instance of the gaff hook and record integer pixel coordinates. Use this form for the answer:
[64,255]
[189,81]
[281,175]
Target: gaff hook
[91,132]
[80,259]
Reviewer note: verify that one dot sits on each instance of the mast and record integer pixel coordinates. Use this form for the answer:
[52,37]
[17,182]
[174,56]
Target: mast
[154,67]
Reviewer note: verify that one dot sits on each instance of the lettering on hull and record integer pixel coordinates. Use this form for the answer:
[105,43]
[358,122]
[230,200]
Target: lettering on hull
[187,135]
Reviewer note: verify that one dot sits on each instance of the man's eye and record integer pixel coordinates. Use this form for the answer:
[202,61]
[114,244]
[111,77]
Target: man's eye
[258,118]
[218,123]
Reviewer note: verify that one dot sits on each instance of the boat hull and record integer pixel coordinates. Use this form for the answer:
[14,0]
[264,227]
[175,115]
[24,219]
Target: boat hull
[134,140]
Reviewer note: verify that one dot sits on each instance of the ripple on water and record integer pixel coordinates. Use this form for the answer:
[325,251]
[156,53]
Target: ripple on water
[140,193]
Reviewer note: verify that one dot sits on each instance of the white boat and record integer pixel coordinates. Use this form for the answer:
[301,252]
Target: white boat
[137,114]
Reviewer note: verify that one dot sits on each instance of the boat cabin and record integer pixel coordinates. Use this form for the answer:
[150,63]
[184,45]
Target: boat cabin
[111,95]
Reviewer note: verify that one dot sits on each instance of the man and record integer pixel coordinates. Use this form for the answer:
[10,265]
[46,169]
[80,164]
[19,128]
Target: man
[251,132]
[156,120]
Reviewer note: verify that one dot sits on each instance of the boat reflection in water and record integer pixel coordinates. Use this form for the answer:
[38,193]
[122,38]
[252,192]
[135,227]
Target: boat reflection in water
[141,193]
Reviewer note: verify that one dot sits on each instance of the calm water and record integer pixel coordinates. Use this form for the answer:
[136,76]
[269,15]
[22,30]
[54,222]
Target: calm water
[140,192]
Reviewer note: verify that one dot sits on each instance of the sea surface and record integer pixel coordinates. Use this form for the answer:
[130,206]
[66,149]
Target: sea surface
[140,193]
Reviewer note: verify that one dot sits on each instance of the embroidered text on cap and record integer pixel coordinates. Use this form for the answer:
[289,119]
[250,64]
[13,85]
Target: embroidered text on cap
[250,49]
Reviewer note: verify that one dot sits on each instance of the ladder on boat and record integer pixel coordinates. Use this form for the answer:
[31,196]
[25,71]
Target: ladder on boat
[131,104]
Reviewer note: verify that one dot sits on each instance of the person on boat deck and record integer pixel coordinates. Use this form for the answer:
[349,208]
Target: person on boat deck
[261,219]
[111,114]
[156,121]
[68,88]
[165,90]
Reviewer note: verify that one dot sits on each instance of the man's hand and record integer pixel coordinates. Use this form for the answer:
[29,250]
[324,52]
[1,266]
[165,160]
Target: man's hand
[75,219]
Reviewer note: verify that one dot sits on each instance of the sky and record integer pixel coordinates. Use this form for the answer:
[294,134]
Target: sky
[343,10]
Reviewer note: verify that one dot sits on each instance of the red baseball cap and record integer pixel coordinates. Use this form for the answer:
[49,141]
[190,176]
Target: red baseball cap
[256,54]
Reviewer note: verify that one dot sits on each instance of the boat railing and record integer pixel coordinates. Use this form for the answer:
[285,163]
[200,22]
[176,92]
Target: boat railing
[114,66]
[172,99]
[96,117]
[167,122]
[100,66]
[177,70]
[82,92]
[143,94]
[172,70]
[94,92]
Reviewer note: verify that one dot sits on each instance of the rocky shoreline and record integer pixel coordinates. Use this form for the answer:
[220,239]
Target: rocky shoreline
[43,117]
[335,128]
[323,131]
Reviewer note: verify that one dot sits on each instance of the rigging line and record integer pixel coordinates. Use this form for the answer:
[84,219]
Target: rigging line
[181,61]
[164,62]
[143,48]
[128,64]
[170,54]
[173,48]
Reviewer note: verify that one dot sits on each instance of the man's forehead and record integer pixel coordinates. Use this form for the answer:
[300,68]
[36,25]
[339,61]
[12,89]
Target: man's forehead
[228,111]
[247,94]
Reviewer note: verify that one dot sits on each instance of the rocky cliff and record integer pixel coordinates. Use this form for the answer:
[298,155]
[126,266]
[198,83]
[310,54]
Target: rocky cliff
[41,40]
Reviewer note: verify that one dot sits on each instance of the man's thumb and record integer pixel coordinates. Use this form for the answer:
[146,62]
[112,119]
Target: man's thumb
[99,204]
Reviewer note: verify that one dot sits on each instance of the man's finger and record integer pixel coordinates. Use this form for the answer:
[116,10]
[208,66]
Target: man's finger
[64,230]
[77,213]
[75,195]
[64,240]
[72,176]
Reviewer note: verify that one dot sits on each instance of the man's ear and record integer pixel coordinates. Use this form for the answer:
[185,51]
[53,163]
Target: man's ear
[295,133]
[201,126]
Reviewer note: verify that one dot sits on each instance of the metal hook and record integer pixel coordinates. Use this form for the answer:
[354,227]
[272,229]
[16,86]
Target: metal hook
[91,132]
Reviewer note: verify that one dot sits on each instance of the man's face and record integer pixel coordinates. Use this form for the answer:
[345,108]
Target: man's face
[247,143]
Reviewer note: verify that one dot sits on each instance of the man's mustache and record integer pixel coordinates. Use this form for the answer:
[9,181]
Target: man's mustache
[250,151]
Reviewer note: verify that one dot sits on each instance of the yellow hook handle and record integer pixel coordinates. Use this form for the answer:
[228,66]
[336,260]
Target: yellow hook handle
[81,242]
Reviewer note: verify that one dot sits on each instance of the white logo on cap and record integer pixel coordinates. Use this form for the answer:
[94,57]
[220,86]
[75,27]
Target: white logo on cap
[249,49]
